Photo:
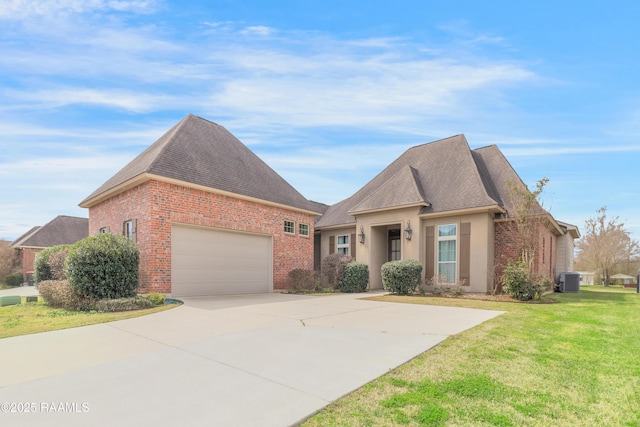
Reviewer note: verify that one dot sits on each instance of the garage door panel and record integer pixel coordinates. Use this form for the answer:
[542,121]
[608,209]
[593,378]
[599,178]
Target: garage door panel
[208,261]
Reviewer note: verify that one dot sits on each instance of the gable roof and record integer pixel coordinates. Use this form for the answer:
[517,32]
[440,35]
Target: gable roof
[442,176]
[387,197]
[62,230]
[204,153]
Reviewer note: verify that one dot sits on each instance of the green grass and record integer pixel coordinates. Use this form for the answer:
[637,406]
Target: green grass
[573,363]
[31,318]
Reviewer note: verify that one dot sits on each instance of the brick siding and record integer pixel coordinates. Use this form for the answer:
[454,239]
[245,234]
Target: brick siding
[506,248]
[155,205]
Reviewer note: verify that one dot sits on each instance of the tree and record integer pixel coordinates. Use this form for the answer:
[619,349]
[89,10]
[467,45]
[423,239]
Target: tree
[605,244]
[529,215]
[9,262]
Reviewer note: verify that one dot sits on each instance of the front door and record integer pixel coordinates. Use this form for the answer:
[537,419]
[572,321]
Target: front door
[395,253]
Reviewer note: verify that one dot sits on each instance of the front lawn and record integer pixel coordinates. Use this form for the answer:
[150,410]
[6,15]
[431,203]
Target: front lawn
[34,317]
[574,363]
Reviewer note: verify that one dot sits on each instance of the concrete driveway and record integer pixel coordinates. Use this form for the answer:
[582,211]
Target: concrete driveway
[252,360]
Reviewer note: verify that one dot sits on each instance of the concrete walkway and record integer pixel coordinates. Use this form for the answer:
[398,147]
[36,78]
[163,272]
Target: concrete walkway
[253,360]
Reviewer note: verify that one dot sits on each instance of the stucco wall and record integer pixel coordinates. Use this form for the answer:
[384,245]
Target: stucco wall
[155,205]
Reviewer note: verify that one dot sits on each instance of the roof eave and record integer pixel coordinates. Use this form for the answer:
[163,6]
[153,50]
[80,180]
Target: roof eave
[144,177]
[390,208]
[492,209]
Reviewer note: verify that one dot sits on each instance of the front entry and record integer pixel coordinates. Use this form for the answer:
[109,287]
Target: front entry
[395,245]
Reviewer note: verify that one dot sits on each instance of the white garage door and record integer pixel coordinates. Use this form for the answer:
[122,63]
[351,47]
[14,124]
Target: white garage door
[207,261]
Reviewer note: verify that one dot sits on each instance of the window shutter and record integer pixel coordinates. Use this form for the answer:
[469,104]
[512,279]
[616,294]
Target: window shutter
[332,244]
[465,252]
[134,231]
[352,243]
[429,268]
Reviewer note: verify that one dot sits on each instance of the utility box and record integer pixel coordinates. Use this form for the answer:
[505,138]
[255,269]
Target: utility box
[569,282]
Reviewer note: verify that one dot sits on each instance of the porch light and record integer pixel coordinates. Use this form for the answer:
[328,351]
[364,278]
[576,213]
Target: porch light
[408,231]
[361,235]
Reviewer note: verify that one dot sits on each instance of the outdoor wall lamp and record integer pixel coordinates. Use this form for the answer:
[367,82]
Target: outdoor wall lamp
[408,231]
[361,235]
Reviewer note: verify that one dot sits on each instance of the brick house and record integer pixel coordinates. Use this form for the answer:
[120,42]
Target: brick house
[448,207]
[62,230]
[208,216]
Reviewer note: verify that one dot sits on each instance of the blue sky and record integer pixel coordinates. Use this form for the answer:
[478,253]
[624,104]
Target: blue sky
[327,93]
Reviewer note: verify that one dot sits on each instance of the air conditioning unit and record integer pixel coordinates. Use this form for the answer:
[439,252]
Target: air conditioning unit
[569,282]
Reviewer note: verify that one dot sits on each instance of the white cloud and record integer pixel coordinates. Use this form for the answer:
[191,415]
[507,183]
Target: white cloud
[21,9]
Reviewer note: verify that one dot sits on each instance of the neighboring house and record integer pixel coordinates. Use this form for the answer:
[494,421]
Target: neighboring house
[446,206]
[208,215]
[587,278]
[566,247]
[62,230]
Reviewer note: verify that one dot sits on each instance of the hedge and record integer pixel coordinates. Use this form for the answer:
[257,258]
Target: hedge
[355,277]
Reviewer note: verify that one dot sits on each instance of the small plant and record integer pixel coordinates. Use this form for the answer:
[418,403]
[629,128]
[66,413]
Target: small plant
[121,304]
[517,282]
[355,277]
[331,269]
[401,277]
[156,298]
[104,266]
[300,280]
[13,280]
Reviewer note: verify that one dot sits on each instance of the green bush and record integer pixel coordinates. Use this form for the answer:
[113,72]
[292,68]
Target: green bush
[301,280]
[355,277]
[13,280]
[517,282]
[49,263]
[331,269]
[60,294]
[104,266]
[156,298]
[401,277]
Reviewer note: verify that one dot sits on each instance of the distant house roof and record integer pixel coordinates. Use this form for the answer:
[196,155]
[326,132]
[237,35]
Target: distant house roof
[62,230]
[570,229]
[204,153]
[440,176]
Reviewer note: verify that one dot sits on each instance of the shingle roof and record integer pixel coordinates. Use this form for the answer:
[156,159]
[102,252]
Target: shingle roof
[386,196]
[498,176]
[444,174]
[62,230]
[201,152]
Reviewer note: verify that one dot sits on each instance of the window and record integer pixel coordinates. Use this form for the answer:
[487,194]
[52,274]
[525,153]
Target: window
[127,229]
[104,230]
[304,229]
[343,245]
[447,252]
[290,227]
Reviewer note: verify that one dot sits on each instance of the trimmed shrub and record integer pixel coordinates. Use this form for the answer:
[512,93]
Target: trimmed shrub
[331,269]
[517,282]
[156,298]
[49,263]
[60,294]
[121,304]
[401,277]
[13,280]
[301,280]
[104,266]
[355,277]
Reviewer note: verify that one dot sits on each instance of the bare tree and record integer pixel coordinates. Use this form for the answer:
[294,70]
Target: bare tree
[8,260]
[605,244]
[529,216]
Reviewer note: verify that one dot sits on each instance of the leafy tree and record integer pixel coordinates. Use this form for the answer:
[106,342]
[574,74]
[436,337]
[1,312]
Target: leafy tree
[605,244]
